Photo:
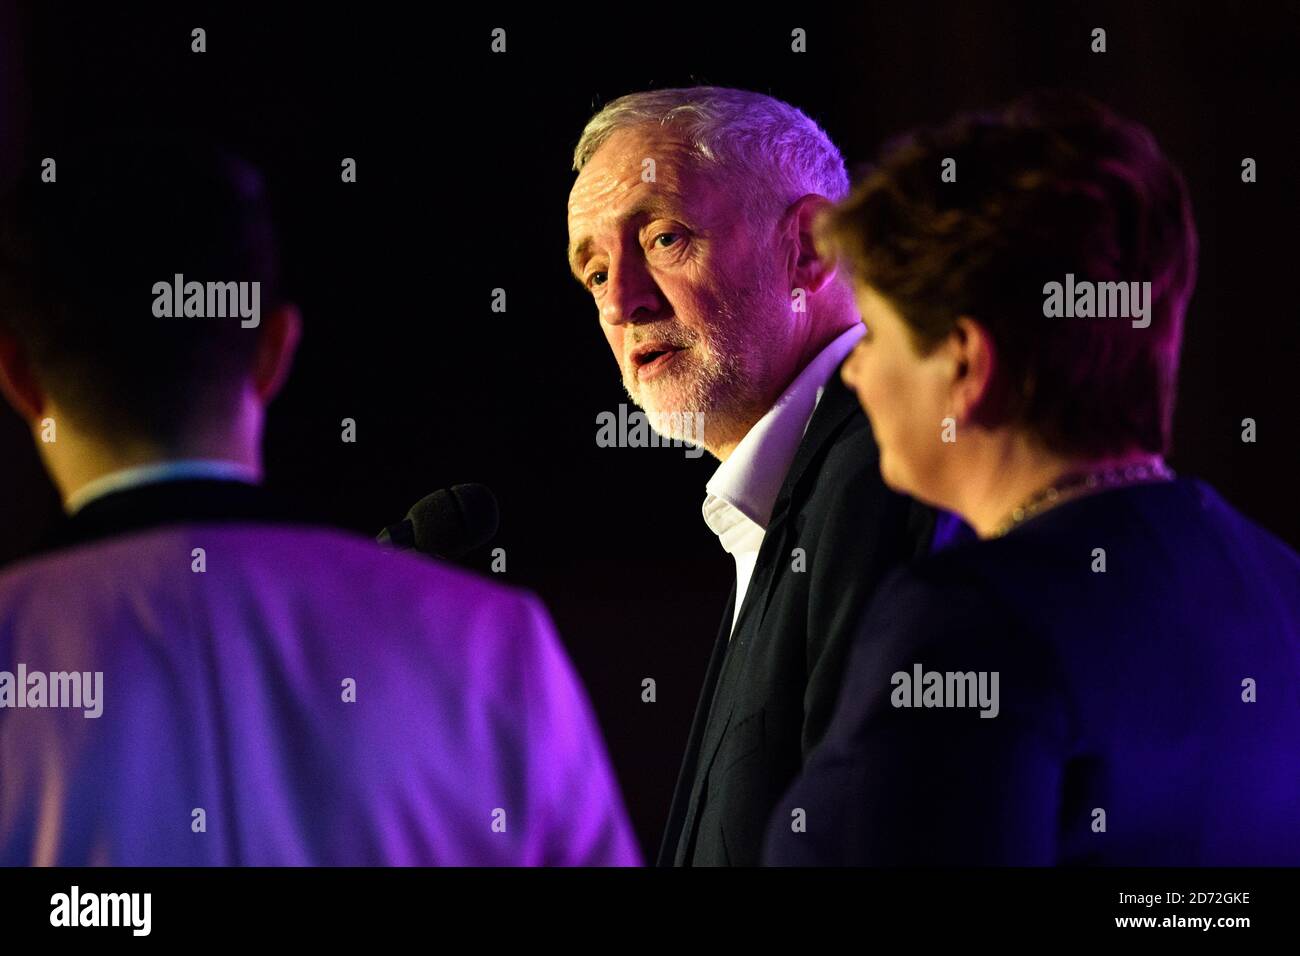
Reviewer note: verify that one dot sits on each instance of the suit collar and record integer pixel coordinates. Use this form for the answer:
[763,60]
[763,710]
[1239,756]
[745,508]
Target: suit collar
[179,501]
[838,404]
[172,470]
[748,484]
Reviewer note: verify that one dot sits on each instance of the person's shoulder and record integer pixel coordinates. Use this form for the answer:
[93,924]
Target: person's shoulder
[1184,523]
[950,585]
[1228,518]
[353,563]
[336,568]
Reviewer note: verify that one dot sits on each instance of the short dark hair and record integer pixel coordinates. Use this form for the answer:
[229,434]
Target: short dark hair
[78,260]
[1053,184]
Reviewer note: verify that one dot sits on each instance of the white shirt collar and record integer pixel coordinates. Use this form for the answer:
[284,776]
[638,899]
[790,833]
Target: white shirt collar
[177,470]
[742,492]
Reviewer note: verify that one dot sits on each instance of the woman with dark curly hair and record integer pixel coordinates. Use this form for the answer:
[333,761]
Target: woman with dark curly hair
[1111,672]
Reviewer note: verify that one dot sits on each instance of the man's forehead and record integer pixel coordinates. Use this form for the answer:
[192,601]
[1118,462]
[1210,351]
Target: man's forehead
[637,201]
[633,168]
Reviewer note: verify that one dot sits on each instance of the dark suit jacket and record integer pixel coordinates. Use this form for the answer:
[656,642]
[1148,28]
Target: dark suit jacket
[769,692]
[1123,699]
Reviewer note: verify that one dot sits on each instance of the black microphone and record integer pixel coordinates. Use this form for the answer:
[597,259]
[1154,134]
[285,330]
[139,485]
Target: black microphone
[449,523]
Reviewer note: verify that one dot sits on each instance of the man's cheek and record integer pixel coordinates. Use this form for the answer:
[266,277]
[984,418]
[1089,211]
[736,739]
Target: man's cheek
[614,336]
[687,308]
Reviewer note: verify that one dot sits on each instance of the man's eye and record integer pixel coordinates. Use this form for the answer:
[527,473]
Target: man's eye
[592,280]
[670,236]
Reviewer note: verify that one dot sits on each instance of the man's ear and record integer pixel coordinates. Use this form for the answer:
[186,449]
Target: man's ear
[808,269]
[17,382]
[974,361]
[277,342]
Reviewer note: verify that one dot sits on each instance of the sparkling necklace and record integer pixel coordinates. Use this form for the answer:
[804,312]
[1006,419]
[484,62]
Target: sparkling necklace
[1084,481]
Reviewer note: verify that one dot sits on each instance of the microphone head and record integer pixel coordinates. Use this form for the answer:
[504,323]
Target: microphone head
[454,521]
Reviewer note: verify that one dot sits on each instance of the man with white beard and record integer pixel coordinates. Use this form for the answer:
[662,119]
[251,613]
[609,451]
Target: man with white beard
[691,223]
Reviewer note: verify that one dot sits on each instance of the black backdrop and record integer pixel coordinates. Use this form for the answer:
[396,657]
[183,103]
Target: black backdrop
[463,172]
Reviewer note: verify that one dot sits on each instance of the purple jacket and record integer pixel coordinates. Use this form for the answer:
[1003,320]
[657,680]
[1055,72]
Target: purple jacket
[307,698]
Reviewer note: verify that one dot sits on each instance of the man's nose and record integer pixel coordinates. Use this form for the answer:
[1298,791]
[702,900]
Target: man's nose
[631,294]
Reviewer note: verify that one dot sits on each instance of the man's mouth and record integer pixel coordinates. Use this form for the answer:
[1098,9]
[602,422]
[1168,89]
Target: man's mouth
[653,358]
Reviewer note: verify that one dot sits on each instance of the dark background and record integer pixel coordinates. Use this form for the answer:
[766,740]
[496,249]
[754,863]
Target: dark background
[464,169]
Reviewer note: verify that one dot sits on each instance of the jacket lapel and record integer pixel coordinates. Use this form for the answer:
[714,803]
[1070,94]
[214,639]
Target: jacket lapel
[672,848]
[836,407]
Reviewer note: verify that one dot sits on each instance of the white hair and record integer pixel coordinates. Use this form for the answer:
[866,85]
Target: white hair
[770,151]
